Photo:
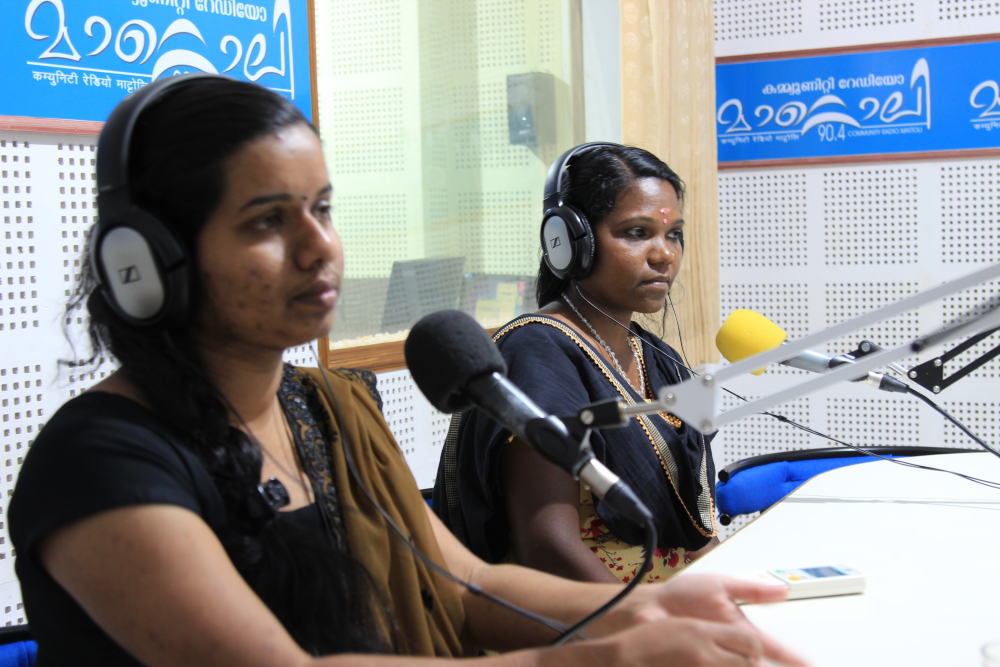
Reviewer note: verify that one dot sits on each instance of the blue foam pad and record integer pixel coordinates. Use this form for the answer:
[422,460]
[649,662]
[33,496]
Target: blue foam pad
[755,489]
[18,654]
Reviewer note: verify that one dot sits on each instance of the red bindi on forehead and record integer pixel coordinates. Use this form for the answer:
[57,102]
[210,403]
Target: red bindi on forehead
[665,211]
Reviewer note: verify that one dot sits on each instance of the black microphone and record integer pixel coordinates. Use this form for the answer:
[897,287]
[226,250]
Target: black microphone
[456,365]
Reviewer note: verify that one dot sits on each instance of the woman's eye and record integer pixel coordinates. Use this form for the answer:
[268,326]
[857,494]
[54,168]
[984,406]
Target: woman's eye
[324,210]
[636,233]
[268,221]
[676,235]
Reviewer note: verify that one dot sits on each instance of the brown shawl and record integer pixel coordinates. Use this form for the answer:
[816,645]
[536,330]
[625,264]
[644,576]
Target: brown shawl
[427,608]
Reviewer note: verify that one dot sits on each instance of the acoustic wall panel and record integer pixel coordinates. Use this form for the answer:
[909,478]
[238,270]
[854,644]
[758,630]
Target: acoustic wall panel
[745,27]
[375,232]
[739,20]
[366,37]
[46,207]
[787,304]
[955,10]
[970,204]
[418,427]
[874,235]
[766,228]
[870,215]
[302,355]
[364,131]
[847,14]
[981,417]
[955,307]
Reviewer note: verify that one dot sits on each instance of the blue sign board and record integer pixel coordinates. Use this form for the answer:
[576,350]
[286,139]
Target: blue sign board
[76,59]
[898,101]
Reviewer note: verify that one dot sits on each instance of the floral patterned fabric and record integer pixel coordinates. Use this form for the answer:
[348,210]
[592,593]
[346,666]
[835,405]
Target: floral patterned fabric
[622,558]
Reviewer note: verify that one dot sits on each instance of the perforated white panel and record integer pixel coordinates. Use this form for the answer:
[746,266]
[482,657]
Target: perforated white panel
[375,232]
[980,417]
[871,235]
[969,207]
[418,427]
[846,14]
[47,197]
[784,304]
[846,300]
[302,355]
[365,131]
[509,235]
[10,600]
[870,216]
[875,421]
[949,10]
[500,33]
[766,229]
[739,19]
[955,307]
[482,138]
[83,377]
[367,36]
[756,435]
[767,26]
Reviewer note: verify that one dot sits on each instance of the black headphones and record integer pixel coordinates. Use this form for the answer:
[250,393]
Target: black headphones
[567,237]
[142,271]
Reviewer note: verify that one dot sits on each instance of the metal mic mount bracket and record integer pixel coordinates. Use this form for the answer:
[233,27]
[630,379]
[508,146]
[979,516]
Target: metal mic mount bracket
[698,400]
[930,374]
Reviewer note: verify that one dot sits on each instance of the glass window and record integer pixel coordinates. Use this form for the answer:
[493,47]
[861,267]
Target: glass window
[439,120]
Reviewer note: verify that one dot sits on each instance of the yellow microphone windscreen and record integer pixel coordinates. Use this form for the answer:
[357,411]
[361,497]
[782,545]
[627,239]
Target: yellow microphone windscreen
[746,333]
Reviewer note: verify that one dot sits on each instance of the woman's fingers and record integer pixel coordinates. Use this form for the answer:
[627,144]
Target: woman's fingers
[738,643]
[754,592]
[689,642]
[778,654]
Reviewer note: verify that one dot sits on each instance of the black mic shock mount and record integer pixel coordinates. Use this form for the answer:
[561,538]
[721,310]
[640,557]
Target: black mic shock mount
[930,374]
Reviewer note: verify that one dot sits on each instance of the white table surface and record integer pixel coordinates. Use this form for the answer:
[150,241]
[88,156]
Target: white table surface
[929,544]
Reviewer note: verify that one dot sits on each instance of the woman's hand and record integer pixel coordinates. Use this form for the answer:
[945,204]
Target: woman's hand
[703,596]
[677,642]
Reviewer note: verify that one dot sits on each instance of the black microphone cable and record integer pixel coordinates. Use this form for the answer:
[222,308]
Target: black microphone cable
[960,425]
[811,431]
[565,634]
[647,560]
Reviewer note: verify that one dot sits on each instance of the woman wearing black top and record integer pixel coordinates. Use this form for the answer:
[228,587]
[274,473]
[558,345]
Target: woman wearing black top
[144,516]
[580,347]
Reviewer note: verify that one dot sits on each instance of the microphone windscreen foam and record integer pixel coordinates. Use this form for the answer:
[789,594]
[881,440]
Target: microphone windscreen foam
[444,351]
[746,333]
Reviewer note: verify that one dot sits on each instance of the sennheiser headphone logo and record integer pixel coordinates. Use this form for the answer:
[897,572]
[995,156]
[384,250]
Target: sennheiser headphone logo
[129,274]
[556,242]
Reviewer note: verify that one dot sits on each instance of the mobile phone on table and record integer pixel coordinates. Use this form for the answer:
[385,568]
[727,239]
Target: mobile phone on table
[818,582]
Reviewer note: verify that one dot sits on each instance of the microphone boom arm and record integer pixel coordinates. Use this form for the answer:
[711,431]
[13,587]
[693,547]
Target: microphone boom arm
[698,400]
[930,374]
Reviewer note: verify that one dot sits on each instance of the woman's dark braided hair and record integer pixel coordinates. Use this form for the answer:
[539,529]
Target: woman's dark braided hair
[325,599]
[592,184]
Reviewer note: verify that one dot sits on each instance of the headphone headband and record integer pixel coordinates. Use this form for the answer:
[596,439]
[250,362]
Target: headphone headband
[566,235]
[141,269]
[553,180]
[115,143]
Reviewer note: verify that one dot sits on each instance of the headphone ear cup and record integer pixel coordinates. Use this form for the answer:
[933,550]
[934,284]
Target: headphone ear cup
[142,270]
[558,243]
[586,249]
[567,243]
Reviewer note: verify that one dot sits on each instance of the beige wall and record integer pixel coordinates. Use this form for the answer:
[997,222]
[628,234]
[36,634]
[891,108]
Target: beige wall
[668,108]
